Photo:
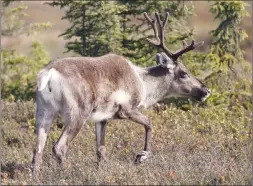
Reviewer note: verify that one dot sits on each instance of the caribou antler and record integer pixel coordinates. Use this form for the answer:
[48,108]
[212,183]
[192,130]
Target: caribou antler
[187,48]
[159,35]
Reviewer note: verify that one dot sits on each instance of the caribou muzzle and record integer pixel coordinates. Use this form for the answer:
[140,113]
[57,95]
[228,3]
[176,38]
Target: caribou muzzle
[201,94]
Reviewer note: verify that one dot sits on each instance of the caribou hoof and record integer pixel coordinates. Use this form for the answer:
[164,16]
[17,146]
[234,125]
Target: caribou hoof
[101,154]
[59,155]
[36,173]
[141,157]
[36,166]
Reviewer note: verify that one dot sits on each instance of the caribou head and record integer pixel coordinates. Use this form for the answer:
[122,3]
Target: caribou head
[181,82]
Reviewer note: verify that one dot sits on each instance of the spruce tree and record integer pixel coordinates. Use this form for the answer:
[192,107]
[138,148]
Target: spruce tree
[228,78]
[96,26]
[225,49]
[136,28]
[119,26]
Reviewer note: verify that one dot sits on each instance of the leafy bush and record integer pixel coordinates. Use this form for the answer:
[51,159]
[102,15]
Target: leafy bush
[19,72]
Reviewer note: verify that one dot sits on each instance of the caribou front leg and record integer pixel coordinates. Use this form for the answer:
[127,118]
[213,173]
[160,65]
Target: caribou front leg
[136,116]
[147,123]
[100,139]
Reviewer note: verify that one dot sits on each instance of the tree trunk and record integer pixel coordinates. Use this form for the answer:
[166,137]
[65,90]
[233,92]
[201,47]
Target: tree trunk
[124,42]
[83,28]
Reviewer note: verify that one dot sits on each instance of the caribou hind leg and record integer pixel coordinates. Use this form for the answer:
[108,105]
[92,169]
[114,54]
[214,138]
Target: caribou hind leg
[73,125]
[44,119]
[100,128]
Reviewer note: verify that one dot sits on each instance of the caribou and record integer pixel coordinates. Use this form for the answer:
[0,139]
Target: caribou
[99,89]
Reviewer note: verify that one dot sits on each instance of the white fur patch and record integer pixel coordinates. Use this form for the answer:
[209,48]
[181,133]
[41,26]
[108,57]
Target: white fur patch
[121,97]
[42,139]
[144,155]
[54,96]
[99,116]
[45,78]
[138,71]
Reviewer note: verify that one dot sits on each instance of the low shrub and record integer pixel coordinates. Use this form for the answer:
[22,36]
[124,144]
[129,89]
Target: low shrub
[203,145]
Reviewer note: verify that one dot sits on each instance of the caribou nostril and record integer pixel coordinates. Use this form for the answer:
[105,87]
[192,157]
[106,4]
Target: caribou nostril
[206,91]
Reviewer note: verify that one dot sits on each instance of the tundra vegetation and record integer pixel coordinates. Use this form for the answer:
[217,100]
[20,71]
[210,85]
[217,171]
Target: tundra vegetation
[193,142]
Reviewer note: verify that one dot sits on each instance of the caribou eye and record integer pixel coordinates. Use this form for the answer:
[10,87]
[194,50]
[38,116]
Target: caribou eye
[183,74]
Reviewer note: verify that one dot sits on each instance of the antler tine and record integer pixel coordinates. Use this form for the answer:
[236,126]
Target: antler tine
[184,44]
[187,48]
[153,24]
[162,26]
[161,30]
[159,36]
[166,18]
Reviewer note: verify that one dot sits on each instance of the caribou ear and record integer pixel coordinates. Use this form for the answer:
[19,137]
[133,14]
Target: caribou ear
[163,60]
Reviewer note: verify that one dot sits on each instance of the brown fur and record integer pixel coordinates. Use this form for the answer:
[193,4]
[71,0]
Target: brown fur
[97,74]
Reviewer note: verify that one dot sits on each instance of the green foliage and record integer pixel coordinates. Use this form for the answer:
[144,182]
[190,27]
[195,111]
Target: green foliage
[19,72]
[96,26]
[35,28]
[228,78]
[119,26]
[225,50]
[230,90]
[13,23]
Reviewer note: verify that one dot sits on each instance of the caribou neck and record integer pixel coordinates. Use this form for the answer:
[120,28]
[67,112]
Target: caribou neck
[155,84]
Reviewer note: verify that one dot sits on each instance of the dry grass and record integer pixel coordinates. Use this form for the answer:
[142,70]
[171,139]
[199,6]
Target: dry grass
[208,145]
